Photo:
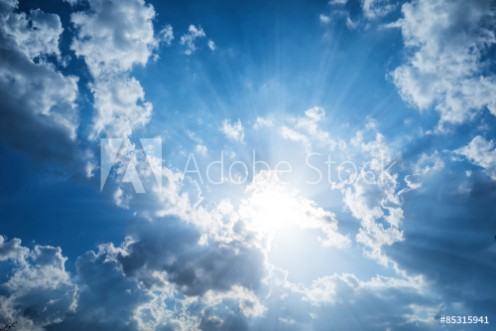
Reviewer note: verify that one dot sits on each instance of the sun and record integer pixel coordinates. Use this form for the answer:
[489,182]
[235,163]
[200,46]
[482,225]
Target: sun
[274,209]
[271,204]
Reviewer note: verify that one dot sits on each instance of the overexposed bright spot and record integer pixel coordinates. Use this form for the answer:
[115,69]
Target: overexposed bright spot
[273,207]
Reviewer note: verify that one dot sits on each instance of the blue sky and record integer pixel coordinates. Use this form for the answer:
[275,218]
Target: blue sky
[296,165]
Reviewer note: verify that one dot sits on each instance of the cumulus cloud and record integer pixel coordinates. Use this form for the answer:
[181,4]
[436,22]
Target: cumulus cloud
[189,39]
[372,194]
[39,291]
[112,37]
[39,112]
[482,153]
[448,42]
[120,106]
[233,130]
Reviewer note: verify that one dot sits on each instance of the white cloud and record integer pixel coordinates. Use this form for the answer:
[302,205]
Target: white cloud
[211,45]
[306,130]
[72,2]
[112,36]
[120,107]
[166,35]
[12,250]
[263,122]
[189,39]
[201,149]
[373,196]
[481,152]
[350,24]
[233,131]
[36,34]
[271,205]
[38,290]
[374,9]
[324,19]
[292,135]
[446,70]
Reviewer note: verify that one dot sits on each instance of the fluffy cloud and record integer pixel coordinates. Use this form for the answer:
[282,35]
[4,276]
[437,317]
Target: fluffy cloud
[481,152]
[39,291]
[448,42]
[372,196]
[233,131]
[112,37]
[38,106]
[120,106]
[162,276]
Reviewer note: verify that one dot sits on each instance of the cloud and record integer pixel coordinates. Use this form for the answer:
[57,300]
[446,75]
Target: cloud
[188,39]
[201,149]
[166,35]
[38,291]
[211,45]
[233,131]
[448,42]
[447,230]
[383,302]
[482,153]
[324,19]
[193,267]
[273,206]
[263,122]
[371,194]
[120,106]
[39,111]
[306,129]
[374,9]
[113,36]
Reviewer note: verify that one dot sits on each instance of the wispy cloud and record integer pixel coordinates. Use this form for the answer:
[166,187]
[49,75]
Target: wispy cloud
[189,39]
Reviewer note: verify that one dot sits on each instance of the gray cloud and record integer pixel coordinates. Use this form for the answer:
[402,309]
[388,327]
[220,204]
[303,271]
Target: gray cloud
[449,232]
[38,107]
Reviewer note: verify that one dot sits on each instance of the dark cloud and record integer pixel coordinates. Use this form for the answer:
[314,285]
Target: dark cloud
[38,107]
[449,229]
[173,246]
[107,298]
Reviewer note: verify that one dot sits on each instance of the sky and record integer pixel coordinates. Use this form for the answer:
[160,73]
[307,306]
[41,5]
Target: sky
[247,165]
